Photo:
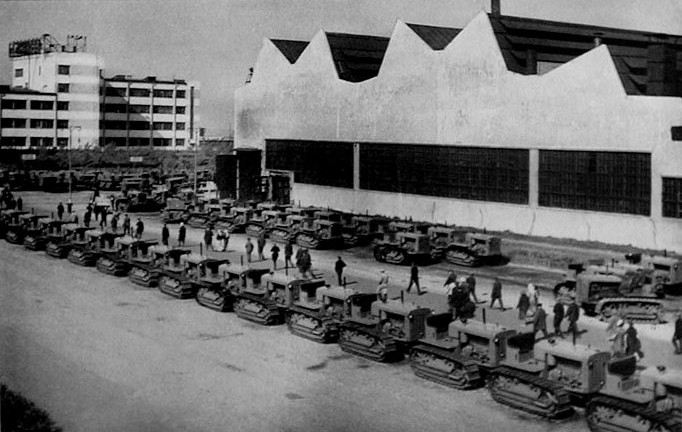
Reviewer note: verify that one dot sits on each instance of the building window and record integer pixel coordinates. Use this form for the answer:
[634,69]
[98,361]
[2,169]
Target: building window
[115,108]
[180,142]
[139,92]
[62,88]
[13,104]
[614,182]
[161,109]
[64,70]
[62,124]
[13,123]
[115,125]
[163,93]
[41,142]
[138,142]
[62,106]
[62,142]
[116,141]
[180,94]
[115,91]
[672,197]
[41,105]
[13,142]
[138,125]
[139,109]
[179,110]
[18,73]
[162,142]
[179,126]
[42,124]
[471,173]
[163,126]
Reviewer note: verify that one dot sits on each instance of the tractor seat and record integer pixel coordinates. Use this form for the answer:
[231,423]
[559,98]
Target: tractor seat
[524,342]
[439,320]
[623,366]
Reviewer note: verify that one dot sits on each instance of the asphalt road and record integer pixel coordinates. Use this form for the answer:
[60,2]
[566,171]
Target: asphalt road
[102,354]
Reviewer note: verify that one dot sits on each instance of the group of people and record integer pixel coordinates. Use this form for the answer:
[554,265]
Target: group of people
[303,259]
[222,237]
[7,200]
[624,342]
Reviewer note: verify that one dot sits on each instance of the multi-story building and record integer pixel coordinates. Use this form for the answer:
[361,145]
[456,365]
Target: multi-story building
[58,92]
[148,112]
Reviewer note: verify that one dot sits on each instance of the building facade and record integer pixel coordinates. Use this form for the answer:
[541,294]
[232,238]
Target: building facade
[535,127]
[58,91]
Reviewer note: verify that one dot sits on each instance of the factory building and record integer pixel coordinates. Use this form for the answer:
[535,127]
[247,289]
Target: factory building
[536,127]
[58,91]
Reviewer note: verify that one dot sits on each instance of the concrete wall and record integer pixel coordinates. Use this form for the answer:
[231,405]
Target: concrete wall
[464,95]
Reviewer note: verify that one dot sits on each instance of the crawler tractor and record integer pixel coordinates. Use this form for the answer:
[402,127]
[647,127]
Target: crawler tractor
[87,250]
[459,354]
[667,271]
[147,264]
[207,280]
[381,331]
[240,217]
[59,245]
[14,226]
[318,311]
[114,259]
[263,219]
[287,227]
[36,239]
[465,248]
[403,248]
[363,229]
[30,224]
[203,216]
[235,279]
[324,231]
[180,270]
[175,212]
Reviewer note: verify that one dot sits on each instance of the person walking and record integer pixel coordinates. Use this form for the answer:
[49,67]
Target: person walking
[274,254]
[540,321]
[96,210]
[103,219]
[304,263]
[533,295]
[572,315]
[165,234]
[632,342]
[618,340]
[523,305]
[249,249]
[208,239]
[114,222]
[468,310]
[677,336]
[182,232]
[126,225]
[226,239]
[339,265]
[452,278]
[414,278]
[288,253]
[496,293]
[139,228]
[20,204]
[69,206]
[457,297]
[261,246]
[60,210]
[471,283]
[558,317]
[382,287]
[86,218]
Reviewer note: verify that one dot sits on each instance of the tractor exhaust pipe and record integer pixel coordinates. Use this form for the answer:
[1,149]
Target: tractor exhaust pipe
[241,258]
[344,281]
[201,249]
[402,296]
[483,312]
[573,337]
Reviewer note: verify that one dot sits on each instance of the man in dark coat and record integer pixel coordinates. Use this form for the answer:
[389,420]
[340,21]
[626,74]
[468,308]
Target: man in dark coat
[274,254]
[182,231]
[677,336]
[471,282]
[304,263]
[496,293]
[261,246]
[126,225]
[572,315]
[558,317]
[20,204]
[414,278]
[60,210]
[139,228]
[632,343]
[288,253]
[164,235]
[540,321]
[86,218]
[208,239]
[338,268]
[249,249]
[523,305]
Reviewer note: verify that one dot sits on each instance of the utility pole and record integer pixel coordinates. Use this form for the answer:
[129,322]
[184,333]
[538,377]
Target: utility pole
[71,128]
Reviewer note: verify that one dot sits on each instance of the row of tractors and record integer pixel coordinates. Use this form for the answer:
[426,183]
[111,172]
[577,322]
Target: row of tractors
[394,241]
[548,378]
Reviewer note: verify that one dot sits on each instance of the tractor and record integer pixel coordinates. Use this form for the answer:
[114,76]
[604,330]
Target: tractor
[36,239]
[115,261]
[324,231]
[263,219]
[240,216]
[240,284]
[180,272]
[318,311]
[667,270]
[360,229]
[60,244]
[145,268]
[403,248]
[464,248]
[86,251]
[287,227]
[175,212]
[14,226]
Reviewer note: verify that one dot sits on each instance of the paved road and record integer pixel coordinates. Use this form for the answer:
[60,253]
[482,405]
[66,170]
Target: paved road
[100,354]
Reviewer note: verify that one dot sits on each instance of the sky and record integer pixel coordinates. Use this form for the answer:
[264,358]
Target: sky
[215,42]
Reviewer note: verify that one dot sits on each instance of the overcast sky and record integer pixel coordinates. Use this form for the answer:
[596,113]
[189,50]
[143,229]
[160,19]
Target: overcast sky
[215,42]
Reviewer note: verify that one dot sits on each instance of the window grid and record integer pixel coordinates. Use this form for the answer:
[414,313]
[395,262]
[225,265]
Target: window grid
[13,123]
[13,104]
[313,162]
[672,197]
[614,182]
[64,70]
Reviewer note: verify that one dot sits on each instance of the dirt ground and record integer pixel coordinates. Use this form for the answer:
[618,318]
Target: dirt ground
[99,353]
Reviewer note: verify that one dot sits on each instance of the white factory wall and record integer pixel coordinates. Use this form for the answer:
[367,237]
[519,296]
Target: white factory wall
[464,95]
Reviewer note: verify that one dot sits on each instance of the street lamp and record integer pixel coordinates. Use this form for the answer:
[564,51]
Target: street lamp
[71,128]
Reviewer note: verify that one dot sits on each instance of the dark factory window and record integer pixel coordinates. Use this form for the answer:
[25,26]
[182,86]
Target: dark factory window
[672,197]
[482,174]
[313,162]
[615,182]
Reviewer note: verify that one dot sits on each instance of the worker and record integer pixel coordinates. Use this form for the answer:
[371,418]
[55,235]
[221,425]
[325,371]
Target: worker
[533,295]
[86,218]
[468,310]
[471,283]
[261,246]
[451,279]
[540,320]
[632,343]
[164,235]
[69,206]
[208,238]
[523,305]
[274,254]
[677,336]
[558,317]
[496,293]
[339,265]
[382,288]
[249,249]
[618,340]
[572,315]
[288,253]
[20,204]
[182,232]
[126,225]
[60,210]
[414,278]
[458,297]
[304,263]
[139,228]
